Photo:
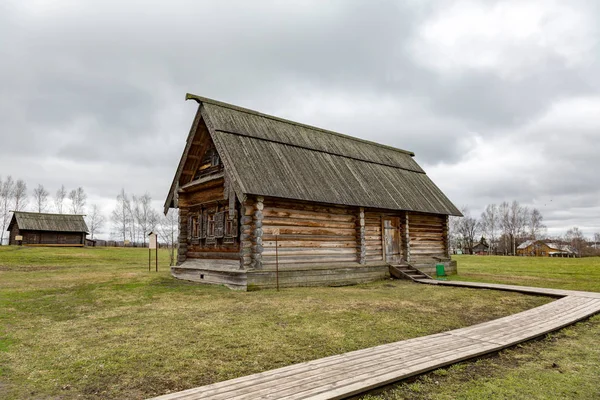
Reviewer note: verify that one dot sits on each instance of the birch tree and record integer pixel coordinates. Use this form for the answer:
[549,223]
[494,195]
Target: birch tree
[121,217]
[59,199]
[535,224]
[490,224]
[78,199]
[95,220]
[7,188]
[504,220]
[20,195]
[169,233]
[40,198]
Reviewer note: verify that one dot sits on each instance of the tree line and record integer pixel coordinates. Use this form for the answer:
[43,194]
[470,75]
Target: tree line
[503,227]
[132,219]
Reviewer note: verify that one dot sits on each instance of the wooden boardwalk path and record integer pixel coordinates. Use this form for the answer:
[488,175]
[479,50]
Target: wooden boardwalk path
[348,374]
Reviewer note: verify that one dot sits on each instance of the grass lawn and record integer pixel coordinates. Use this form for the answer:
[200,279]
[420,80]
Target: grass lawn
[559,273]
[94,323]
[563,365]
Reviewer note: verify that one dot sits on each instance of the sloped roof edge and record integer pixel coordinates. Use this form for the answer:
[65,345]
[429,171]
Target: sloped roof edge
[200,100]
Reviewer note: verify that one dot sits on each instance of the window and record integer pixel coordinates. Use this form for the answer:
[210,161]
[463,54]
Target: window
[210,229]
[219,224]
[215,159]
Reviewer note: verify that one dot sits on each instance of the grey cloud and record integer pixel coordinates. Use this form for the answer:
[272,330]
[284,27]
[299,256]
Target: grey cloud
[101,85]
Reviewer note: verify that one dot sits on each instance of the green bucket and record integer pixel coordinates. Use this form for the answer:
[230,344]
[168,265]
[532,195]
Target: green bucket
[439,270]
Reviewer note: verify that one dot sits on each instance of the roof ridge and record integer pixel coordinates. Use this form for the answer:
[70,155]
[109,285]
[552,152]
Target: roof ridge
[201,99]
[38,213]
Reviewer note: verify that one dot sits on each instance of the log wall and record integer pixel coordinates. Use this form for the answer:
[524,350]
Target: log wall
[208,195]
[427,237]
[308,233]
[373,236]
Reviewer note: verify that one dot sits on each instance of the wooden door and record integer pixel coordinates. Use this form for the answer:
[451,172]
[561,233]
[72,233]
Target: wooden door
[393,252]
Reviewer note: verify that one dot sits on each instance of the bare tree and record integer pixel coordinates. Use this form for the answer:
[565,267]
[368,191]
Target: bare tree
[504,220]
[535,225]
[59,199]
[169,233]
[40,198]
[490,224]
[514,218]
[121,216]
[20,195]
[454,238]
[596,240]
[95,220]
[145,217]
[576,239]
[469,228]
[7,188]
[78,198]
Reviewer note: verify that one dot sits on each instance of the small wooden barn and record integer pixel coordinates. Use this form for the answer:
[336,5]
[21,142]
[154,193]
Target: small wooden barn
[40,229]
[262,199]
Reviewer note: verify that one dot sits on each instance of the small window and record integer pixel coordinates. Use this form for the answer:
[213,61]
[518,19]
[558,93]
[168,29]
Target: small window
[215,159]
[195,227]
[210,226]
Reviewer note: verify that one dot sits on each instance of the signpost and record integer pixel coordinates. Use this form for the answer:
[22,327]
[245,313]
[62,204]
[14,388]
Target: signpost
[19,238]
[152,244]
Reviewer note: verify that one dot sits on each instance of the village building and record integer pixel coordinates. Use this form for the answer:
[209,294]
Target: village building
[540,248]
[40,229]
[265,201]
[481,248]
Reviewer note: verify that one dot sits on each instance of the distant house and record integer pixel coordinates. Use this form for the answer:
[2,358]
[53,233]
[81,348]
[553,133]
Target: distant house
[540,248]
[39,229]
[481,248]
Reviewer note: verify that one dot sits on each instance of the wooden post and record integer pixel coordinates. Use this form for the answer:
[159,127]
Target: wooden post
[360,237]
[383,237]
[407,235]
[246,233]
[183,230]
[277,260]
[257,244]
[445,238]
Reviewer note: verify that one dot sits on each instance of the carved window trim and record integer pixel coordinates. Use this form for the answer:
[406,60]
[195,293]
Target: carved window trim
[219,219]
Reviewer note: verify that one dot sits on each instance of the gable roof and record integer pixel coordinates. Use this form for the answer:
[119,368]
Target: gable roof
[48,222]
[270,156]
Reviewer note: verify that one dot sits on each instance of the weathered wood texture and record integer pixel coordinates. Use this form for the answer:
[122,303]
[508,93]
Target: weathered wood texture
[356,372]
[195,199]
[44,229]
[41,238]
[427,238]
[373,236]
[307,233]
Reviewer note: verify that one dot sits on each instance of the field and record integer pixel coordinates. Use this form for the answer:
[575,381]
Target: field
[94,323]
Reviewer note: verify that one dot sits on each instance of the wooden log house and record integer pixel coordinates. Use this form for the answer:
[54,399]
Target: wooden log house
[263,199]
[41,229]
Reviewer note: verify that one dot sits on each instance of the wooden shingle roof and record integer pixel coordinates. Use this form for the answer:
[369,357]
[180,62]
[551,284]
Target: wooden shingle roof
[270,156]
[49,222]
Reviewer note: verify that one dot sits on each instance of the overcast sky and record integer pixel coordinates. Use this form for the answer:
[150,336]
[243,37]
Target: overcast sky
[500,100]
